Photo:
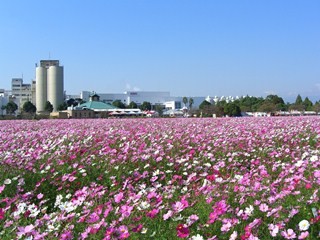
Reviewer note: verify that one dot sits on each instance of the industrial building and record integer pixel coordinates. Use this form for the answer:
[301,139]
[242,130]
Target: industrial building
[22,92]
[156,98]
[4,99]
[49,84]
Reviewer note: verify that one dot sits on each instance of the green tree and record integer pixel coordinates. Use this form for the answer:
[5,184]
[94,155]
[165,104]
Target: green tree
[48,107]
[185,101]
[118,104]
[307,104]
[11,107]
[316,107]
[145,106]
[191,102]
[62,106]
[132,105]
[268,107]
[29,107]
[276,101]
[298,100]
[232,109]
[204,105]
[71,102]
[159,109]
[79,101]
[297,107]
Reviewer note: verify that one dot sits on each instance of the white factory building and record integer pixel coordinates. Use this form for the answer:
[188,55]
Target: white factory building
[49,84]
[4,99]
[22,92]
[154,97]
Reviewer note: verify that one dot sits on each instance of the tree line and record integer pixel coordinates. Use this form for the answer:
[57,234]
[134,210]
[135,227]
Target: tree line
[270,104]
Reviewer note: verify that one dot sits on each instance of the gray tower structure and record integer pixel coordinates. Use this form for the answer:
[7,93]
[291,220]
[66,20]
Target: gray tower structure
[49,84]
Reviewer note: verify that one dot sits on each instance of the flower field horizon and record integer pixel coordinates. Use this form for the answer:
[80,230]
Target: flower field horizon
[184,178]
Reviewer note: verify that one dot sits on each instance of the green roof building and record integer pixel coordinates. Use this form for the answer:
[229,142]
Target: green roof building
[95,104]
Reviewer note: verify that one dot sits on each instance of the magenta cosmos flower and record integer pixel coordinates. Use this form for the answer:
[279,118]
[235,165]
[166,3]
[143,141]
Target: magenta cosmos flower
[182,231]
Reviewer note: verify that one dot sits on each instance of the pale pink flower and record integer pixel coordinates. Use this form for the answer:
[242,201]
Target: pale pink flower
[316,173]
[226,227]
[303,235]
[178,206]
[274,229]
[167,215]
[40,196]
[72,178]
[263,207]
[193,218]
[2,188]
[234,235]
[25,230]
[289,234]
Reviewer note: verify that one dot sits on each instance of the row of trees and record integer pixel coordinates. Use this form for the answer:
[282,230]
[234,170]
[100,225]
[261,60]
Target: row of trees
[28,107]
[270,104]
[145,106]
[185,101]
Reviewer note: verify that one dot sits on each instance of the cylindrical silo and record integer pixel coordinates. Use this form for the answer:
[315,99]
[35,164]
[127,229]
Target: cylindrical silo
[55,86]
[41,88]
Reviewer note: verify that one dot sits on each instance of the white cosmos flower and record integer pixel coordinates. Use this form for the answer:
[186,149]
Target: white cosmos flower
[304,225]
[249,210]
[144,205]
[7,181]
[197,237]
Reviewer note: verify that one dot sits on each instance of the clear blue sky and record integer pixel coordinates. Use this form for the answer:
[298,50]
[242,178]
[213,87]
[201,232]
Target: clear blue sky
[190,48]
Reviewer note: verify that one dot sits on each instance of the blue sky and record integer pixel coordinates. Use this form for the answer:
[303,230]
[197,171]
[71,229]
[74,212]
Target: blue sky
[190,48]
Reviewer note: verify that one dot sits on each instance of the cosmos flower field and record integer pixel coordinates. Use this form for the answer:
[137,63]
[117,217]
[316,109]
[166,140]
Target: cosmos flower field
[226,178]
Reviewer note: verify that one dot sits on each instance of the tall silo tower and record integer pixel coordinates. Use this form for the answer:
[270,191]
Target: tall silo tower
[49,84]
[55,86]
[41,88]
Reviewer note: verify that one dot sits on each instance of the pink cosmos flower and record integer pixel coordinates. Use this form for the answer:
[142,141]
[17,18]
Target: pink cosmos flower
[317,173]
[263,207]
[137,228]
[193,218]
[274,229]
[126,211]
[182,231]
[25,230]
[94,217]
[123,232]
[303,235]
[213,216]
[178,206]
[226,227]
[1,213]
[153,213]
[40,196]
[234,235]
[118,197]
[2,188]
[67,235]
[72,178]
[220,207]
[109,231]
[308,185]
[167,215]
[289,234]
